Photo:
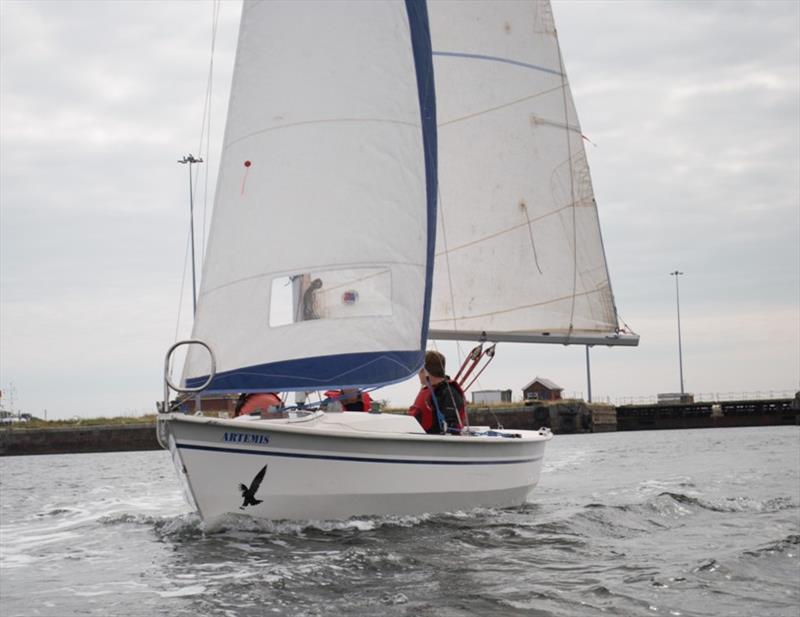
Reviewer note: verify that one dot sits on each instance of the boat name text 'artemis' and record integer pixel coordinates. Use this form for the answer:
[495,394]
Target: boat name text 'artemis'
[245,438]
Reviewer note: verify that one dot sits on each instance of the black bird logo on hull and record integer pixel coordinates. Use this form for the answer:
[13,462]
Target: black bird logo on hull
[249,494]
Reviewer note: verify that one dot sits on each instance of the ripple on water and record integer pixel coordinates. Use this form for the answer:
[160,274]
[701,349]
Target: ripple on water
[727,504]
[786,546]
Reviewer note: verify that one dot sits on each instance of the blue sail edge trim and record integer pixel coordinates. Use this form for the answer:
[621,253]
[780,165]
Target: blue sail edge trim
[420,30]
[455,54]
[356,459]
[364,370]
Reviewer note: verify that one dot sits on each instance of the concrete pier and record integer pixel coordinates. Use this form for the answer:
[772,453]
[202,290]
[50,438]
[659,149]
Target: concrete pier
[769,412]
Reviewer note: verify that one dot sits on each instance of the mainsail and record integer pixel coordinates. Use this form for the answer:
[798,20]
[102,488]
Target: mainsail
[519,255]
[319,263]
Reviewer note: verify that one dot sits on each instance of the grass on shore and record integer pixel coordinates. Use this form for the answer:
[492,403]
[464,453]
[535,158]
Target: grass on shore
[81,422]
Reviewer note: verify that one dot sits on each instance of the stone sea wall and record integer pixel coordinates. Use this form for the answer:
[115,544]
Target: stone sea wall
[560,417]
[72,440]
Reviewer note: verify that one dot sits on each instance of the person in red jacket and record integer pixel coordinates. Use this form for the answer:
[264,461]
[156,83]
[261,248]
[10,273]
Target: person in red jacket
[256,401]
[352,399]
[449,398]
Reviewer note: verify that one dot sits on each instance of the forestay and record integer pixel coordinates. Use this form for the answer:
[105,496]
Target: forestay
[519,255]
[319,262]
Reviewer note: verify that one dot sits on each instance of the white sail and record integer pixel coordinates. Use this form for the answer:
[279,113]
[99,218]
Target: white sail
[519,255]
[318,268]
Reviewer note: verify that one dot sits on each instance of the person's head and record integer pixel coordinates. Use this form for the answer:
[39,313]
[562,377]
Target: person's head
[349,395]
[434,367]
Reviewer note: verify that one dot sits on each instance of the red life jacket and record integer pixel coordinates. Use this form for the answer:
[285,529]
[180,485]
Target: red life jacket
[449,399]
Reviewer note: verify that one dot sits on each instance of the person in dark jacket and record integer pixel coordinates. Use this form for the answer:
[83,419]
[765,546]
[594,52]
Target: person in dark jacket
[352,399]
[447,394]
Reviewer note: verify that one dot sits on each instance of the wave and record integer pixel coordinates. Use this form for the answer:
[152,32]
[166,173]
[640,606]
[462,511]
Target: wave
[728,504]
[187,525]
[182,526]
[234,523]
[787,545]
[578,524]
[59,512]
[242,522]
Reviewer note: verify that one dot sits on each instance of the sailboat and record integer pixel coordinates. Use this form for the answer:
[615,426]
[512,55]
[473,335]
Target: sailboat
[392,173]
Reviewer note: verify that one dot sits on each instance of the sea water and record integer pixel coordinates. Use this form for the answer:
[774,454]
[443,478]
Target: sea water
[690,522]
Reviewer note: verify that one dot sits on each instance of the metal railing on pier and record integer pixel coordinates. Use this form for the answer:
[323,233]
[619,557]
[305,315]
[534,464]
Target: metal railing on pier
[709,397]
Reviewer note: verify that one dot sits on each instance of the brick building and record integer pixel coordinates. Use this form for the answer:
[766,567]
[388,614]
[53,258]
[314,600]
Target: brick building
[541,389]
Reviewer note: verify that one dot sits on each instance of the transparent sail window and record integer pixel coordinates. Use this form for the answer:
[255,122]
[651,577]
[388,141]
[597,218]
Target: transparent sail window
[330,294]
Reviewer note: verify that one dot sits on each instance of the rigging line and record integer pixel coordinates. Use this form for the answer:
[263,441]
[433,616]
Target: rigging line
[205,125]
[196,179]
[483,368]
[207,119]
[180,296]
[625,325]
[571,190]
[459,352]
[498,107]
[447,265]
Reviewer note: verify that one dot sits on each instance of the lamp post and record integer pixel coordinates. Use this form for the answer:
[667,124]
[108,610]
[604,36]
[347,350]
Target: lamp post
[588,375]
[676,274]
[191,160]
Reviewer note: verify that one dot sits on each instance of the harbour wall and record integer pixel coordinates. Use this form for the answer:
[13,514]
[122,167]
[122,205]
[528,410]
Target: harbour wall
[119,438]
[561,417]
[767,412]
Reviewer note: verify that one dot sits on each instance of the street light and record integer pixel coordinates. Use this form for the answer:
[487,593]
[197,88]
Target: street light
[191,160]
[588,375]
[676,274]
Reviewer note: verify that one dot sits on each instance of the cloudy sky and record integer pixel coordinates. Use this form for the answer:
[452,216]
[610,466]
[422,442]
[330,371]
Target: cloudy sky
[693,107]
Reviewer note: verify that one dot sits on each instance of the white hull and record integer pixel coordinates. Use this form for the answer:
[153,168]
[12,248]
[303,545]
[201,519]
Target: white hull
[334,466]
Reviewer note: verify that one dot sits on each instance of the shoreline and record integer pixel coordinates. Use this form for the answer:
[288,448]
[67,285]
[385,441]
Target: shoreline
[562,417]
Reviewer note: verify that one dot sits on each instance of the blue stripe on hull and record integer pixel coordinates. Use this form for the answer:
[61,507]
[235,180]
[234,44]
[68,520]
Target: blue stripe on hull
[355,459]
